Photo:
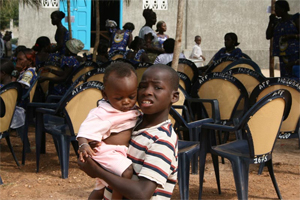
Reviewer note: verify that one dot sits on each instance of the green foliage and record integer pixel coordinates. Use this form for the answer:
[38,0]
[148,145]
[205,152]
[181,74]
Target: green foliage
[8,10]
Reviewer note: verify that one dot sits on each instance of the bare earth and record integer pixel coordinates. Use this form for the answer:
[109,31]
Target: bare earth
[24,183]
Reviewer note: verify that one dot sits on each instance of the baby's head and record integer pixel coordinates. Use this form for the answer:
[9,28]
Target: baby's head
[120,86]
[158,90]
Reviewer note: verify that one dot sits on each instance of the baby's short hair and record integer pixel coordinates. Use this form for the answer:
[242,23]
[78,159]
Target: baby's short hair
[121,70]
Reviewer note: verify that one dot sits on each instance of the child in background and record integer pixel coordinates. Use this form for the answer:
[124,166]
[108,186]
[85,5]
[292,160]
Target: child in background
[111,124]
[197,51]
[153,147]
[161,27]
[138,54]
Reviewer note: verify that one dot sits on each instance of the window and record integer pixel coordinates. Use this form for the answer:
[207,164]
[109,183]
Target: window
[155,4]
[49,3]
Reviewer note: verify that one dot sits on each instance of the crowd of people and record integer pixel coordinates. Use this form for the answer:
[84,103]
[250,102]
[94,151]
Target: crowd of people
[119,145]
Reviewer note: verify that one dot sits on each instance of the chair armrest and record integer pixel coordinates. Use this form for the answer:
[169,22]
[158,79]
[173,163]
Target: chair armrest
[42,105]
[214,103]
[46,111]
[50,98]
[219,127]
[200,122]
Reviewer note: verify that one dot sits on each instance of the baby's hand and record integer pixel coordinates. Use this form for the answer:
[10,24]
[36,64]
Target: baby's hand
[94,144]
[85,151]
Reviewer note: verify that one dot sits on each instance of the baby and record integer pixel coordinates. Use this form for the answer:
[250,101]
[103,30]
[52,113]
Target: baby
[110,125]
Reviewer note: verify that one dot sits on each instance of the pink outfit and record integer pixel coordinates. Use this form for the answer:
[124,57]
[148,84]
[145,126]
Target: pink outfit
[99,124]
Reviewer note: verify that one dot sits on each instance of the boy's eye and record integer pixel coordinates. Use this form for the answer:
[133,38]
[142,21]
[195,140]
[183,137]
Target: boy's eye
[157,87]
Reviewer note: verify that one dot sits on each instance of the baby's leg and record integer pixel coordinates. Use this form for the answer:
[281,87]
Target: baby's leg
[96,194]
[126,174]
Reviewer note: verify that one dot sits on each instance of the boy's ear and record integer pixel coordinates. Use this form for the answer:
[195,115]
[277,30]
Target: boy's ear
[175,96]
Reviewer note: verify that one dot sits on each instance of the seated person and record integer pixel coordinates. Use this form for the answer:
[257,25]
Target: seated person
[69,64]
[42,48]
[6,68]
[120,39]
[231,41]
[167,57]
[161,28]
[138,54]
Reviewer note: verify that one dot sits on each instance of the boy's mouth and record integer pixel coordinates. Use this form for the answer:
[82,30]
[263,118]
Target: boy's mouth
[146,103]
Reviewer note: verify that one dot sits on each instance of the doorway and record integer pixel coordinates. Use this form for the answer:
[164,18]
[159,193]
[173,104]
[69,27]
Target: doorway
[108,10]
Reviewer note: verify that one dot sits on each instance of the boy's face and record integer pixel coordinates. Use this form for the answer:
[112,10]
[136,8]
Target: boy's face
[155,93]
[121,92]
[198,40]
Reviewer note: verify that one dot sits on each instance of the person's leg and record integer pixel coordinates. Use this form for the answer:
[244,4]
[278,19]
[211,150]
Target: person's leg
[96,194]
[126,174]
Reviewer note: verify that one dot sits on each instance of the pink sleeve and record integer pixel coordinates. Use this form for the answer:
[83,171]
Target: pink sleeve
[94,128]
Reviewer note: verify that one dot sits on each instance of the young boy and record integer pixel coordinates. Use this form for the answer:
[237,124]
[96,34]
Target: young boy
[153,146]
[197,52]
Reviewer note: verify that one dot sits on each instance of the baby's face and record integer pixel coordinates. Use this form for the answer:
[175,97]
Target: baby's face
[121,92]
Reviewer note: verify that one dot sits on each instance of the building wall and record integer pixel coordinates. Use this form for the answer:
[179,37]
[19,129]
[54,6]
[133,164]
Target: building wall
[33,24]
[211,19]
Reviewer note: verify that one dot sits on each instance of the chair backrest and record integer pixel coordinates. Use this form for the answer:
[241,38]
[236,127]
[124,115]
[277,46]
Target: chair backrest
[185,82]
[116,54]
[95,74]
[244,63]
[11,95]
[291,124]
[79,103]
[249,78]
[220,64]
[262,123]
[140,68]
[188,67]
[45,85]
[85,67]
[228,90]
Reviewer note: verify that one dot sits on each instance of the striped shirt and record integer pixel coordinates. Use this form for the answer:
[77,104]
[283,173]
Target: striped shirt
[153,152]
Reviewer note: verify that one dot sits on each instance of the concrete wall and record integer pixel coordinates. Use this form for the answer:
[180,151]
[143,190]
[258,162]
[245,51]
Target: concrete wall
[33,24]
[211,19]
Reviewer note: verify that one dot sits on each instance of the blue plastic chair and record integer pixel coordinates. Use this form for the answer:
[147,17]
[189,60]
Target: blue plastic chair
[260,127]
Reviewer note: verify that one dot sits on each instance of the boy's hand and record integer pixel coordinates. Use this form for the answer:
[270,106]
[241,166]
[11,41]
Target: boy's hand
[94,144]
[85,151]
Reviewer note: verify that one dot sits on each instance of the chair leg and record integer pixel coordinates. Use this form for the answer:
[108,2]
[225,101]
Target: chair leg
[240,170]
[261,168]
[183,175]
[75,147]
[271,172]
[39,132]
[11,149]
[1,182]
[216,168]
[63,143]
[203,152]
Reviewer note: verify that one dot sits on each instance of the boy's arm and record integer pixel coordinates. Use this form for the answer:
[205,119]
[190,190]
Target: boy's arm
[131,189]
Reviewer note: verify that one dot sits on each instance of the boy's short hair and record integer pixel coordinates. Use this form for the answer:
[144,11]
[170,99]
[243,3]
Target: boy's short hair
[197,36]
[6,66]
[169,45]
[174,81]
[121,70]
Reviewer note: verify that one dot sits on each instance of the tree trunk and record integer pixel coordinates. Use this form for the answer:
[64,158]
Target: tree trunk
[271,57]
[178,38]
[97,41]
[69,19]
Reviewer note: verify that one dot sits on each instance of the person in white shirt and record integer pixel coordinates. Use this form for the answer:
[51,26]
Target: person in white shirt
[197,52]
[167,57]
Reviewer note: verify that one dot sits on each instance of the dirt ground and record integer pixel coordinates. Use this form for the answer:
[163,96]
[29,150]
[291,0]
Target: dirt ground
[24,183]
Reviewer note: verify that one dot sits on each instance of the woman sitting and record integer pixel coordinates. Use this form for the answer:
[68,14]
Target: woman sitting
[69,64]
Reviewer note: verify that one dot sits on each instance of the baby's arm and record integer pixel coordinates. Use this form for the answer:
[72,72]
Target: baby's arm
[84,149]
